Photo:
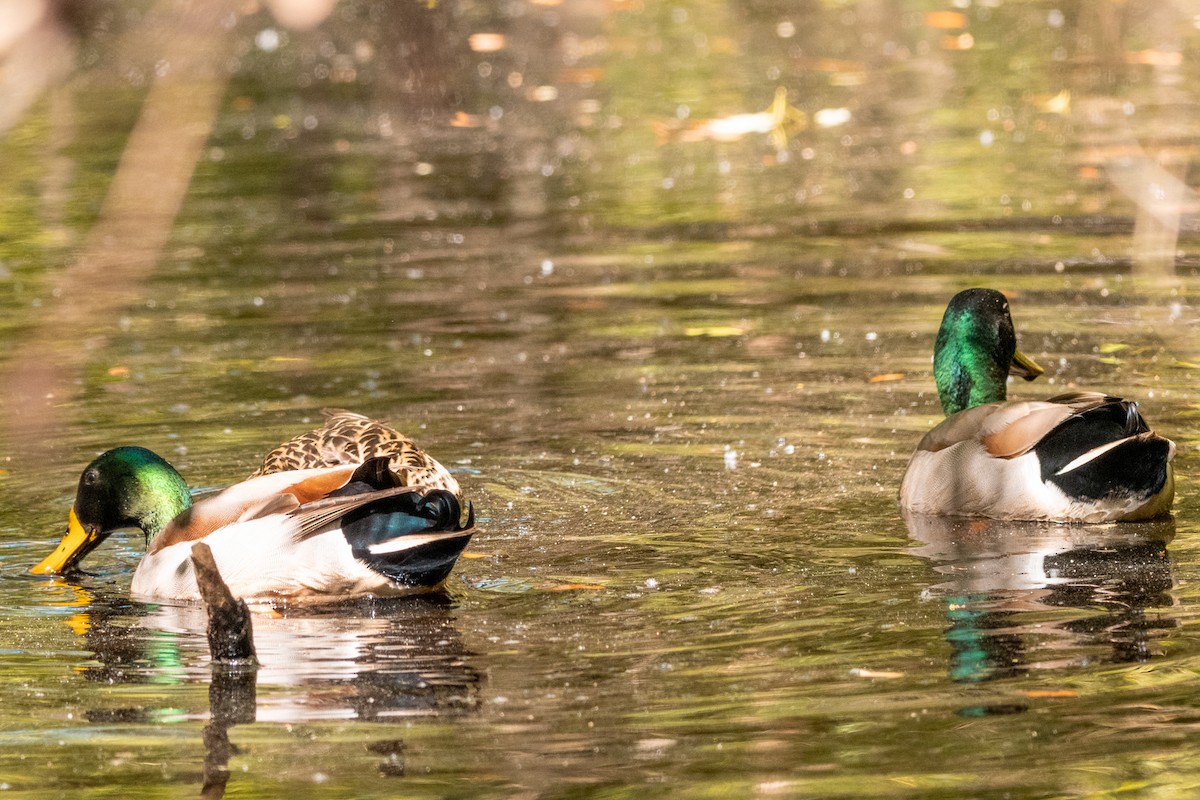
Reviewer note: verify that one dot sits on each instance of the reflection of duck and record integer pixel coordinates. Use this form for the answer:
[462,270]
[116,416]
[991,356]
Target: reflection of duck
[999,574]
[368,660]
[373,660]
[342,519]
[1083,456]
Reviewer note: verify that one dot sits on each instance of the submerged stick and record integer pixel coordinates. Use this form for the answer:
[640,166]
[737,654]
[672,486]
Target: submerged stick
[230,633]
[232,696]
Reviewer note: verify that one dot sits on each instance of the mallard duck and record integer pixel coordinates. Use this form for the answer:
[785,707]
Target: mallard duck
[325,531]
[1078,457]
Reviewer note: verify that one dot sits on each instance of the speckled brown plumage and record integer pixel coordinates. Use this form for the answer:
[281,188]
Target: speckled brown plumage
[349,438]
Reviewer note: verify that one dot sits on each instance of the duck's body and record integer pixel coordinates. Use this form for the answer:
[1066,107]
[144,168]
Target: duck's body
[290,535]
[1081,457]
[320,533]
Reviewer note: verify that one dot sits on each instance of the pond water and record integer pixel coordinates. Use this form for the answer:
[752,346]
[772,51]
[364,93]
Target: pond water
[659,282]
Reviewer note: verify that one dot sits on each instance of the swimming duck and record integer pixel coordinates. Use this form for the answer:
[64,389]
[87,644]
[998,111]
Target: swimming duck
[316,533]
[1078,457]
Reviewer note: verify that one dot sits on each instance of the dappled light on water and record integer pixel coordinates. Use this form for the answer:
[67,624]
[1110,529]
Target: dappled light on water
[659,284]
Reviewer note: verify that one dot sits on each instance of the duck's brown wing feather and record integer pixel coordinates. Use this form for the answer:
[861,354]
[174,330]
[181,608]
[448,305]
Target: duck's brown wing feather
[1011,429]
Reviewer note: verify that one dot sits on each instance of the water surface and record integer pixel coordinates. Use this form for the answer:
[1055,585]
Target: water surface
[677,356]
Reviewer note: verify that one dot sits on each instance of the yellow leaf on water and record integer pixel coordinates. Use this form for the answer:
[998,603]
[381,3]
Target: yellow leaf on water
[570,587]
[715,330]
[887,376]
[1058,104]
[476,555]
[1112,347]
[1051,693]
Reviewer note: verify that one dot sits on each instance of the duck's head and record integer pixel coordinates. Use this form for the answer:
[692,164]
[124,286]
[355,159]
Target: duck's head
[127,487]
[976,351]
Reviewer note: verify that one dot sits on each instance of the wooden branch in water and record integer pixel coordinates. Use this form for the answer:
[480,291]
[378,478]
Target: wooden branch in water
[230,632]
[232,696]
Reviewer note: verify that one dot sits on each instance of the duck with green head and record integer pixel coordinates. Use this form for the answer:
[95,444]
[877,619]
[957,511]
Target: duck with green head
[1078,457]
[333,526]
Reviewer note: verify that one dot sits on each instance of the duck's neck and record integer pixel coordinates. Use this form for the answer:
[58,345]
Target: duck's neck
[157,518]
[968,373]
[167,497]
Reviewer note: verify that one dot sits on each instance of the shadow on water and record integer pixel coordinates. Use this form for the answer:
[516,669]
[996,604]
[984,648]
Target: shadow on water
[1024,596]
[367,661]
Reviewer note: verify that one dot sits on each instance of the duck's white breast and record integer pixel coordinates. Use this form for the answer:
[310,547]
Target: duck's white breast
[260,559]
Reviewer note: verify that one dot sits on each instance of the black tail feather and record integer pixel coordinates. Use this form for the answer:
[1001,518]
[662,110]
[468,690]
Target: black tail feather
[1136,467]
[410,537]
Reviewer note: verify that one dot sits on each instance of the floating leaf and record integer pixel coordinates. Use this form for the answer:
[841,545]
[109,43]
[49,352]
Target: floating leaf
[715,330]
[1112,347]
[887,376]
[831,117]
[1058,104]
[1051,693]
[462,119]
[871,673]
[571,587]
[780,120]
[945,20]
[487,42]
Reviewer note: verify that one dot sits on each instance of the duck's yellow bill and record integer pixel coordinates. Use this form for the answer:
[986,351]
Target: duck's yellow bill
[1024,367]
[74,545]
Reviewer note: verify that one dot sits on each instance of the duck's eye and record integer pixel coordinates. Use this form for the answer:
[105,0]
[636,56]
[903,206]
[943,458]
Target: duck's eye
[90,477]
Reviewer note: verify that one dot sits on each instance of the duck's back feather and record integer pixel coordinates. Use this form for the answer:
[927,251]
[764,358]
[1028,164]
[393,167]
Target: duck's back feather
[350,438]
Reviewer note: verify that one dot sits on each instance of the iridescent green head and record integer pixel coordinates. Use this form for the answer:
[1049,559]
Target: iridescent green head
[127,487]
[976,351]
